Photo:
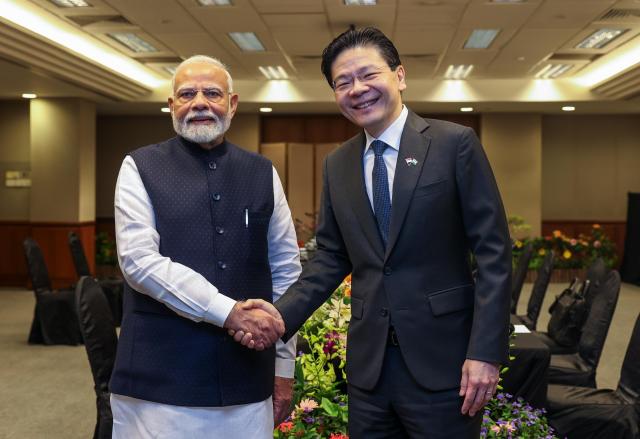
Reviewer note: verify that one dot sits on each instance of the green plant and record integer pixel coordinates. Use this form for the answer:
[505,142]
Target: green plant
[105,250]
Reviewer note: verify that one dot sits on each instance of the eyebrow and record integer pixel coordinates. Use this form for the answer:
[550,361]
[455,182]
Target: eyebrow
[358,72]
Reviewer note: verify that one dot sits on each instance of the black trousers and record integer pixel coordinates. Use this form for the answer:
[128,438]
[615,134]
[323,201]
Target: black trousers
[398,407]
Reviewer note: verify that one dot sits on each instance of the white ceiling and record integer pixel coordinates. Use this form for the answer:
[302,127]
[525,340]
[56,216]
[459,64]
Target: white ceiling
[429,35]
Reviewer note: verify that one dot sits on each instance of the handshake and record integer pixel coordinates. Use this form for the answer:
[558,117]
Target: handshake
[255,324]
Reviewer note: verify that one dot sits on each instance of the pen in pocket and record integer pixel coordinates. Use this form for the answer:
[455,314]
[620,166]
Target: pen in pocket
[246,218]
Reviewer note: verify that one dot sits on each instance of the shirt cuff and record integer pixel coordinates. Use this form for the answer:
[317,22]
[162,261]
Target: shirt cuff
[285,367]
[219,310]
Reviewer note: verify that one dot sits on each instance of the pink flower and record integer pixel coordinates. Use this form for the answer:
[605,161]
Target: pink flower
[307,405]
[285,427]
[338,436]
[573,241]
[597,244]
[509,426]
[495,428]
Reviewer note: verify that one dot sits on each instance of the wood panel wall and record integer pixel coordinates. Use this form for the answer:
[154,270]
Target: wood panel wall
[53,240]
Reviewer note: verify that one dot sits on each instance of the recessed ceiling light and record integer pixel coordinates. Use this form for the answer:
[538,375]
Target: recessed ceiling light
[133,42]
[266,109]
[70,3]
[247,41]
[552,71]
[360,2]
[600,38]
[481,38]
[29,95]
[215,2]
[466,109]
[460,71]
[271,72]
[170,69]
[165,110]
[568,108]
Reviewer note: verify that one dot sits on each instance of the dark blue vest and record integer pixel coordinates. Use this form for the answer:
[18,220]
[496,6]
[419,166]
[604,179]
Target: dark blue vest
[212,212]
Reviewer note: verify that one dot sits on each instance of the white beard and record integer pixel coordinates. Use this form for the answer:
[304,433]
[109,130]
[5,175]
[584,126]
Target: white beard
[201,133]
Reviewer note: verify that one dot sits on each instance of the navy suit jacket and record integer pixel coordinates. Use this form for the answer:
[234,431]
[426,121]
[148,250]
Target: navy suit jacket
[446,206]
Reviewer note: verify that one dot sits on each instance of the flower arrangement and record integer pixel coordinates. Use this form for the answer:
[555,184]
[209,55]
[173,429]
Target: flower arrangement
[320,395]
[570,252]
[505,417]
[105,249]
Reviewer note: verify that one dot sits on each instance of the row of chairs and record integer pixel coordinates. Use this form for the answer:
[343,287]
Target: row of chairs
[576,407]
[55,318]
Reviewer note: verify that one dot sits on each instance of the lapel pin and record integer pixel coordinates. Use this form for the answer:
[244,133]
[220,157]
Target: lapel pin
[411,161]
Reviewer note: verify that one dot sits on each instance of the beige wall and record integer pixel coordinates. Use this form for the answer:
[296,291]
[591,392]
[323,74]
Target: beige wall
[590,162]
[62,143]
[117,135]
[513,143]
[14,156]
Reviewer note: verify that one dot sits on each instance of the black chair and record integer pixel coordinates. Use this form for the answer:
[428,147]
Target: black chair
[54,319]
[579,369]
[113,288]
[538,292]
[519,275]
[581,412]
[596,272]
[100,341]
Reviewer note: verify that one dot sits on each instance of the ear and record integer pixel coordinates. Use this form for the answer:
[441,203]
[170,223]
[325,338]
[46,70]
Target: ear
[170,102]
[400,74]
[233,104]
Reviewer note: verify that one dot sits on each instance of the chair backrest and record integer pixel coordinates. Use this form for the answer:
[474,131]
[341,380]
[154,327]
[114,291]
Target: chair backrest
[77,254]
[519,275]
[98,330]
[36,266]
[540,288]
[595,329]
[629,384]
[596,274]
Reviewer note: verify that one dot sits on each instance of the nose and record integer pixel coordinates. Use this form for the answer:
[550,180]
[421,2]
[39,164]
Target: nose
[358,87]
[199,101]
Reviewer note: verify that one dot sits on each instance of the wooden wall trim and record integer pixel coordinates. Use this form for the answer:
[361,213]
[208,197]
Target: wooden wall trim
[53,240]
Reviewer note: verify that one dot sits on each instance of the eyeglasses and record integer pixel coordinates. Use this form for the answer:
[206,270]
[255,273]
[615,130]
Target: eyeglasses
[212,95]
[346,83]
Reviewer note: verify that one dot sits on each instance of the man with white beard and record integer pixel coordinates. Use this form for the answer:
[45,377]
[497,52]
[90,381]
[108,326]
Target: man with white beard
[201,225]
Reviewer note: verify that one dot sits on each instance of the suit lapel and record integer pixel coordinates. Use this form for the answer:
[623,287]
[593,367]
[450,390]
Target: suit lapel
[358,195]
[414,144]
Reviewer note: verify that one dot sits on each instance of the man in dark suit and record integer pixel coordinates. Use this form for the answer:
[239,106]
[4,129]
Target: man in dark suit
[405,203]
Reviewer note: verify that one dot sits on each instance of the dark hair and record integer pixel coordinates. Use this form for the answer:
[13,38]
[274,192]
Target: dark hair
[368,36]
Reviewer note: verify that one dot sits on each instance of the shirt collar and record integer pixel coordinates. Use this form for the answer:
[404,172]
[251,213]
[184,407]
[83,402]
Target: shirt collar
[390,136]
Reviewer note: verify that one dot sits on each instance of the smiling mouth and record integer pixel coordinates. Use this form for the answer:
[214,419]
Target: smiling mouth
[365,104]
[200,120]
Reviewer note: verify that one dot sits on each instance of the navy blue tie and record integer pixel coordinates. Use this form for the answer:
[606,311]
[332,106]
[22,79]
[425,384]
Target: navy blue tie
[380,186]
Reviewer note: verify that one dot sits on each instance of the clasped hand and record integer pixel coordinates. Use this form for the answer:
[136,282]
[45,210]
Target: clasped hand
[255,324]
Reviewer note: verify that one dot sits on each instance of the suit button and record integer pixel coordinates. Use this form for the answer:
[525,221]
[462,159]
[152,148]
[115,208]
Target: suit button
[387,270]
[219,230]
[384,312]
[216,197]
[213,165]
[222,265]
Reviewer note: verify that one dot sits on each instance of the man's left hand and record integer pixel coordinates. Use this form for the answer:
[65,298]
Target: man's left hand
[282,395]
[478,384]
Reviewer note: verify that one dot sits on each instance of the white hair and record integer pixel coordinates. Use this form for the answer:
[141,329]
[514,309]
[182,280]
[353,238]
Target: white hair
[199,59]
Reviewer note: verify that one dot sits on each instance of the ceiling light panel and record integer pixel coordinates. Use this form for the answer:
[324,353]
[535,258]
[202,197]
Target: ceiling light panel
[247,41]
[70,3]
[271,72]
[215,2]
[460,71]
[360,2]
[481,38]
[600,38]
[552,71]
[133,42]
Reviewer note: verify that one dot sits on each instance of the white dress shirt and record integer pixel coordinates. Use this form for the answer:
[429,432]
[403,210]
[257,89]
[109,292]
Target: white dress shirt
[391,136]
[190,295]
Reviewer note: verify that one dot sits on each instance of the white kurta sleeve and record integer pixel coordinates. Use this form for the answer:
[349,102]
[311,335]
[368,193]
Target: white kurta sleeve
[180,288]
[284,258]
